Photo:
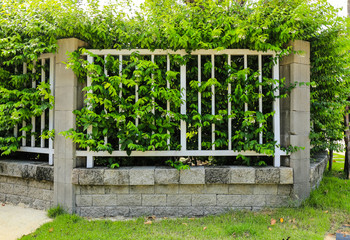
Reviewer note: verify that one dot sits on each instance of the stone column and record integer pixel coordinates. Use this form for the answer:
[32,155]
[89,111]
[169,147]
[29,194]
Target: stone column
[295,116]
[66,98]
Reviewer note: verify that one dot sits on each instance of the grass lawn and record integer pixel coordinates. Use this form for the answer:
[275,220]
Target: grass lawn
[325,211]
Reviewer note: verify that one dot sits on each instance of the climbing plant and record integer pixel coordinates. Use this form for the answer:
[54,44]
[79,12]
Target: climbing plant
[30,28]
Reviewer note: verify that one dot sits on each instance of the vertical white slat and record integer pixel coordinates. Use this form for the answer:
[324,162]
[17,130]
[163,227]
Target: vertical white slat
[276,116]
[168,102]
[199,101]
[24,134]
[42,120]
[120,86]
[106,74]
[183,126]
[213,100]
[32,139]
[89,158]
[246,78]
[260,97]
[51,111]
[15,129]
[136,99]
[153,109]
[229,107]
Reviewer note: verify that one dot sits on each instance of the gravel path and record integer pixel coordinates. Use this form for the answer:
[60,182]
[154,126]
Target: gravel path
[16,221]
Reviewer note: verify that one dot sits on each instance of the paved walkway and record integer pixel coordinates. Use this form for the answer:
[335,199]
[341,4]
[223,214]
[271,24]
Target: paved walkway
[16,221]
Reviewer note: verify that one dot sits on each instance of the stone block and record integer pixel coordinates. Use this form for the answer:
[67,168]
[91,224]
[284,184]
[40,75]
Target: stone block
[263,189]
[44,173]
[3,179]
[83,200]
[104,200]
[92,212]
[278,201]
[13,199]
[129,200]
[6,188]
[219,175]
[284,190]
[153,200]
[20,190]
[41,184]
[242,175]
[191,211]
[253,200]
[216,188]
[91,176]
[117,189]
[298,123]
[302,56]
[14,169]
[240,189]
[300,73]
[67,96]
[142,176]
[286,175]
[215,210]
[165,211]
[195,175]
[41,205]
[2,197]
[179,200]
[267,175]
[142,189]
[191,189]
[90,190]
[141,211]
[300,102]
[167,189]
[229,200]
[27,201]
[118,176]
[3,168]
[166,175]
[117,211]
[35,193]
[204,200]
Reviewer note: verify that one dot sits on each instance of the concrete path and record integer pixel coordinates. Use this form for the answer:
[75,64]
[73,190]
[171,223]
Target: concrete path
[16,221]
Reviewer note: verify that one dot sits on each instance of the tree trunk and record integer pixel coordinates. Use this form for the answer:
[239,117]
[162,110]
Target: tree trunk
[347,143]
[330,161]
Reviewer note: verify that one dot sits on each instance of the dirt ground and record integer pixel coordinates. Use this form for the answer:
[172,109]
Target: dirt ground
[16,221]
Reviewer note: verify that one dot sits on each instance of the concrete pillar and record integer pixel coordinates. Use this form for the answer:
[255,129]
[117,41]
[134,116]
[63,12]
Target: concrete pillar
[295,116]
[66,99]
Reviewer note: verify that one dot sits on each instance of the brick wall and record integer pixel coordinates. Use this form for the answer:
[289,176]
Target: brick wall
[26,183]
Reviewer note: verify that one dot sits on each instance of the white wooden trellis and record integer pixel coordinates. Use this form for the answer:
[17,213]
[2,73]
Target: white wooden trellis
[184,152]
[44,59]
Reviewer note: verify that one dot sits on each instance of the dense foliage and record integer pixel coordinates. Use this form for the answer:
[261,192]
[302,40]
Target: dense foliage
[29,28]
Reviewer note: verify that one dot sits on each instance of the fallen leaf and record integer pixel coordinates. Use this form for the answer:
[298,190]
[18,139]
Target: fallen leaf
[326,211]
[165,218]
[192,219]
[3,204]
[184,224]
[154,217]
[270,229]
[281,220]
[204,228]
[148,222]
[51,229]
[273,221]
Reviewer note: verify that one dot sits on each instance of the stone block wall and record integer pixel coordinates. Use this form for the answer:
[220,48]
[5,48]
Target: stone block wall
[163,191]
[26,183]
[317,168]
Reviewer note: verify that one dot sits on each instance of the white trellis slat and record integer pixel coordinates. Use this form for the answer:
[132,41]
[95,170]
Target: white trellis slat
[24,124]
[229,107]
[260,96]
[213,101]
[276,116]
[246,78]
[52,110]
[90,158]
[168,102]
[199,101]
[120,85]
[32,139]
[15,129]
[106,74]
[183,126]
[42,119]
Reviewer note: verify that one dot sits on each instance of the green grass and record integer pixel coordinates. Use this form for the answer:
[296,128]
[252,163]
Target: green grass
[325,211]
